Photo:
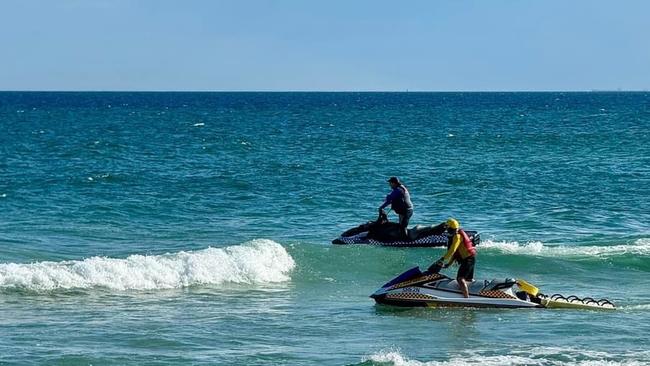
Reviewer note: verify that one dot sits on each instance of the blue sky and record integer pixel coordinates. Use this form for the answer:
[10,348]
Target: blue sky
[325,45]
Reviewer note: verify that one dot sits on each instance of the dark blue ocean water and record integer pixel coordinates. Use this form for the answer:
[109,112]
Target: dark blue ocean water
[195,228]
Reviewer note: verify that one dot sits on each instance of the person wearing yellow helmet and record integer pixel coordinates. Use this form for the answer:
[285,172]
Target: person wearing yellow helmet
[459,249]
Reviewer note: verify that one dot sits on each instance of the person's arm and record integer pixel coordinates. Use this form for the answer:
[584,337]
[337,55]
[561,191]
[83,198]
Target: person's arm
[393,195]
[449,256]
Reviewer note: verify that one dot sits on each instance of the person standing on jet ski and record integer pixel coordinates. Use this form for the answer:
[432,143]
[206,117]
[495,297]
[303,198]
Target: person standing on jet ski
[399,200]
[460,249]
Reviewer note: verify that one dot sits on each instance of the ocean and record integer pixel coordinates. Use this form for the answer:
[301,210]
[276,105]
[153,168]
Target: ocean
[195,228]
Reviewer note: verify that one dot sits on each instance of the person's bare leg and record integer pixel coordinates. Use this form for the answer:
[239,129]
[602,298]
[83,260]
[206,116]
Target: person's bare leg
[463,287]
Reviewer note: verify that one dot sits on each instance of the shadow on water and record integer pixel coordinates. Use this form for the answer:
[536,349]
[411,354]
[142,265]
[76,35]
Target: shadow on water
[465,320]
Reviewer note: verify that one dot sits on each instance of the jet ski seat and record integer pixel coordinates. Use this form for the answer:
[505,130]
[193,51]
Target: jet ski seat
[419,231]
[414,232]
[497,284]
[474,287]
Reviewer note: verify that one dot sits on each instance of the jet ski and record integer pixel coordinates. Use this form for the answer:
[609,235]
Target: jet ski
[416,288]
[385,233]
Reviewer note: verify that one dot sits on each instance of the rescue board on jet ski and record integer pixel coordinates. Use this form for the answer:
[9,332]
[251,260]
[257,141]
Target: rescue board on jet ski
[573,302]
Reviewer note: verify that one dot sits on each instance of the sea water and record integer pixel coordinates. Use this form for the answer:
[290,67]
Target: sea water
[195,228]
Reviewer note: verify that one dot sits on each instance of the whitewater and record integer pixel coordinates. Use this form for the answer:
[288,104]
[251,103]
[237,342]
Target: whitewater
[256,262]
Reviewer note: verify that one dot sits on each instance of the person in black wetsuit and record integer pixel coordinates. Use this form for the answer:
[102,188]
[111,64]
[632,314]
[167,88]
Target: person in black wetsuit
[400,201]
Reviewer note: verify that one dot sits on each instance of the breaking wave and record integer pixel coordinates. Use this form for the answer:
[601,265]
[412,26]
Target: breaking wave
[640,247]
[550,356]
[254,262]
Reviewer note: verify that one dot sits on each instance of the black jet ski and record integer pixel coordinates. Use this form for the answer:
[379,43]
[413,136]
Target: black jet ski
[415,288]
[385,233]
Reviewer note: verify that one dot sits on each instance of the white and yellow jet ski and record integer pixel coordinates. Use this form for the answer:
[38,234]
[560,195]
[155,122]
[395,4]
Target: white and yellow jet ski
[415,288]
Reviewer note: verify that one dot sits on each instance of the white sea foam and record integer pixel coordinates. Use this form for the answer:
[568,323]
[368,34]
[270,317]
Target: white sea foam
[640,247]
[637,307]
[258,261]
[395,358]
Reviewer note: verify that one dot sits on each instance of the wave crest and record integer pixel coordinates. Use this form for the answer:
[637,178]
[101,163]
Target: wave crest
[535,357]
[257,261]
[395,358]
[640,247]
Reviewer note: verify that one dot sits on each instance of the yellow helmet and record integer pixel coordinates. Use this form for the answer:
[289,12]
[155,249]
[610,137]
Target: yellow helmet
[453,224]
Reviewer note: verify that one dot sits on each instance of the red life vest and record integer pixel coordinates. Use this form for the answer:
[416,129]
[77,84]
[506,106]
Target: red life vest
[468,243]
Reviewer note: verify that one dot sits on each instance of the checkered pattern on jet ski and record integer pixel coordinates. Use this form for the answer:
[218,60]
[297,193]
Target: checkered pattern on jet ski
[351,239]
[409,296]
[496,294]
[427,278]
[431,240]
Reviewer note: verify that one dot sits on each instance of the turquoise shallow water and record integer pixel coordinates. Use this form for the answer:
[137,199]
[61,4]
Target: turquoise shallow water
[194,228]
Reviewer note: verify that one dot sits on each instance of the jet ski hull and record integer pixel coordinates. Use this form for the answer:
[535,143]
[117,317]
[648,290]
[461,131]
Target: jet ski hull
[433,300]
[381,233]
[429,241]
[437,290]
[416,289]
